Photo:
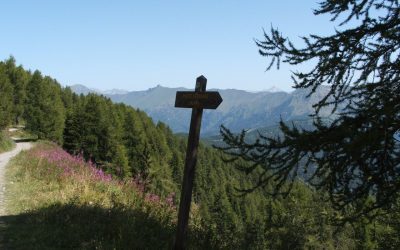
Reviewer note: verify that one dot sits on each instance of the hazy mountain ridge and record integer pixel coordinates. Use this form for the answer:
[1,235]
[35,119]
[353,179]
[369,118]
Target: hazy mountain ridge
[239,110]
[269,131]
[82,89]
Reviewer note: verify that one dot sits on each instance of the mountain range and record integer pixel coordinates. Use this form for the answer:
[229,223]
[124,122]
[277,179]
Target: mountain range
[239,110]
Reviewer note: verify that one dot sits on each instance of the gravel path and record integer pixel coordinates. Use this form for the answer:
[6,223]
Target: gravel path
[4,159]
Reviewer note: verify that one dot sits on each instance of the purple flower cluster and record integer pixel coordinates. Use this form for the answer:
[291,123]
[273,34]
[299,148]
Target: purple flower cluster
[99,174]
[170,200]
[152,198]
[140,185]
[76,167]
[70,163]
[59,158]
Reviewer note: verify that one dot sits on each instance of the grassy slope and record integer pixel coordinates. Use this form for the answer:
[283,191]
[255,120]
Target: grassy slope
[6,143]
[57,201]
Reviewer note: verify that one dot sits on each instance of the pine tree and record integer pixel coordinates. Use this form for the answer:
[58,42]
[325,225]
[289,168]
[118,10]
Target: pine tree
[73,131]
[54,112]
[68,99]
[6,95]
[355,157]
[120,161]
[45,112]
[93,126]
[33,114]
[133,141]
[18,78]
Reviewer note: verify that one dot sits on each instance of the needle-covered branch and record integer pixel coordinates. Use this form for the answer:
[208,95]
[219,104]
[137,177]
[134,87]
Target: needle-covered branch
[355,157]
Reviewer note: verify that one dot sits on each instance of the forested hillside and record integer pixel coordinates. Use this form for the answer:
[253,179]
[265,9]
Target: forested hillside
[239,110]
[125,143]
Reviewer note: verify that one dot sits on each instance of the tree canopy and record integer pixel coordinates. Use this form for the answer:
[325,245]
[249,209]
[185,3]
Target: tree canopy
[355,157]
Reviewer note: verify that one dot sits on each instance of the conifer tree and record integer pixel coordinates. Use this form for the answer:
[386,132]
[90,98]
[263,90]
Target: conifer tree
[73,131]
[54,111]
[45,112]
[93,127]
[68,99]
[18,78]
[6,94]
[35,94]
[120,161]
[355,158]
[133,140]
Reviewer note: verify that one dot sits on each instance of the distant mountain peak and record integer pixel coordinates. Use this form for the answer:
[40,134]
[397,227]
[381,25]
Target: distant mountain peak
[115,92]
[82,89]
[274,89]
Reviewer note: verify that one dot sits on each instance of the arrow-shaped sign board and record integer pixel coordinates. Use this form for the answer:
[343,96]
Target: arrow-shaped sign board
[190,99]
[198,100]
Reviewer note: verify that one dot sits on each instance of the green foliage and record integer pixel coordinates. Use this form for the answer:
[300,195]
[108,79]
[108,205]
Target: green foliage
[44,110]
[6,93]
[125,143]
[355,157]
[5,142]
[18,78]
[385,230]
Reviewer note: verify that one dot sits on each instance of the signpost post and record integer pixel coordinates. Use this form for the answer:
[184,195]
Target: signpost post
[197,100]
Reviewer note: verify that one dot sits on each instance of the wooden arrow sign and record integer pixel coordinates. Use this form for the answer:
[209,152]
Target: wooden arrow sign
[197,100]
[205,100]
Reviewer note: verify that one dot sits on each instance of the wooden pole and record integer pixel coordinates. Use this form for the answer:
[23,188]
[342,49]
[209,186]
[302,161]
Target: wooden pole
[190,164]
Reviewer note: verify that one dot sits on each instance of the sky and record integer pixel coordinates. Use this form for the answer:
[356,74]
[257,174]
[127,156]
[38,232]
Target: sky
[136,45]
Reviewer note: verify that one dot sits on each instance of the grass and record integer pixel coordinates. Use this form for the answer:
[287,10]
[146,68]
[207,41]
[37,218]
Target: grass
[6,144]
[58,201]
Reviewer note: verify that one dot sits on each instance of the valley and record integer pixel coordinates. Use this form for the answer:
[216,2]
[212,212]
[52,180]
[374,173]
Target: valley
[92,148]
[239,110]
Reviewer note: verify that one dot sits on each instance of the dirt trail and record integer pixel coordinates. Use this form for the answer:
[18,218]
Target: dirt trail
[4,159]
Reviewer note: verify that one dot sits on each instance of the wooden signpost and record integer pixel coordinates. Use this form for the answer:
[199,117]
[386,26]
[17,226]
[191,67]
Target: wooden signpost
[197,100]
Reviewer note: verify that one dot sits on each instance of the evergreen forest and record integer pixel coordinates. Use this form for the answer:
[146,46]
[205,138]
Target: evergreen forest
[125,143]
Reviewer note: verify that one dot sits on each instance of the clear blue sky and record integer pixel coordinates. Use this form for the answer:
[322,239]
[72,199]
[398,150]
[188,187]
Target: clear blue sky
[136,45]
